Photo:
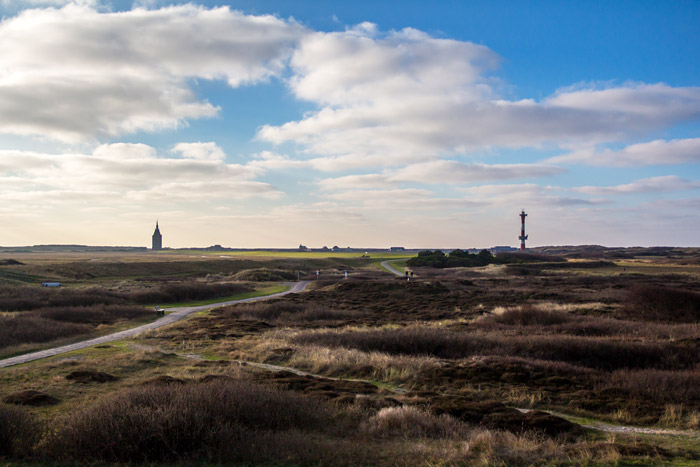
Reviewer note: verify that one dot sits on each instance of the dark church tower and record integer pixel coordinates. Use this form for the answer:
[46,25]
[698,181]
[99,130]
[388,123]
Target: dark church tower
[157,239]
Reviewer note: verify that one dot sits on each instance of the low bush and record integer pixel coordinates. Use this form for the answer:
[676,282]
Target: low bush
[33,298]
[30,397]
[530,315]
[598,353]
[655,303]
[265,275]
[456,258]
[290,313]
[18,431]
[22,329]
[215,421]
[98,314]
[190,291]
[676,387]
[29,298]
[412,422]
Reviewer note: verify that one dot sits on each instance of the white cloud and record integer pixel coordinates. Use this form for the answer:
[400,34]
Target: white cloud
[200,151]
[526,194]
[123,173]
[406,97]
[458,172]
[657,152]
[271,160]
[405,198]
[76,73]
[662,184]
[356,181]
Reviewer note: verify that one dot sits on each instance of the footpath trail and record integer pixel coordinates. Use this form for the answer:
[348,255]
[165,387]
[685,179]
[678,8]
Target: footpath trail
[390,268]
[176,314]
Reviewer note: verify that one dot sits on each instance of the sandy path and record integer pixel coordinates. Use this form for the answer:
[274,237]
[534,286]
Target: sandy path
[388,267]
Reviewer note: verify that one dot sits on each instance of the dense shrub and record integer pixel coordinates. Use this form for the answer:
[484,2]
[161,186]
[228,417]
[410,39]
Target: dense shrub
[456,258]
[29,298]
[183,292]
[604,354]
[23,328]
[518,257]
[530,315]
[655,303]
[677,387]
[264,274]
[412,422]
[216,421]
[104,314]
[18,431]
[32,298]
[288,313]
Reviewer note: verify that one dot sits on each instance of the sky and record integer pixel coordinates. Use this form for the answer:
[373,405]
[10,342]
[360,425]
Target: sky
[422,124]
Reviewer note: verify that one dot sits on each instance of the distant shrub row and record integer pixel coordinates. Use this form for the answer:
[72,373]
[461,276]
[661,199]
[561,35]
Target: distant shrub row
[461,258]
[32,298]
[456,258]
[47,324]
[591,352]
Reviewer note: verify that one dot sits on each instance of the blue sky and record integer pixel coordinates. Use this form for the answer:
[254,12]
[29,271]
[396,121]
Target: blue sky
[421,124]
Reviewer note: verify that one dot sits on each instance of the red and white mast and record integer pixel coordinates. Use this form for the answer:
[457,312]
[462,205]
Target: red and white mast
[522,236]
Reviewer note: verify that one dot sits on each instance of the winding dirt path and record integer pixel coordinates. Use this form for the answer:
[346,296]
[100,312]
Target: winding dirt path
[612,428]
[390,268]
[176,314]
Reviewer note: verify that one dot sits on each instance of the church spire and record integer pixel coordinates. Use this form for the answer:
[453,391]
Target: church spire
[157,239]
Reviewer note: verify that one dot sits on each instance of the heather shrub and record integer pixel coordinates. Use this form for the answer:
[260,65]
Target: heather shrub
[530,315]
[599,353]
[215,421]
[21,329]
[190,291]
[103,314]
[655,303]
[289,313]
[412,422]
[29,298]
[265,311]
[661,386]
[18,431]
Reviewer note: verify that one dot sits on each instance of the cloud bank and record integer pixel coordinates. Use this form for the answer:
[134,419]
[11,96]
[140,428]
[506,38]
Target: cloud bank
[74,73]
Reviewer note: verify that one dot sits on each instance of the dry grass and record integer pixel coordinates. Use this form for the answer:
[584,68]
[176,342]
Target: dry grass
[660,303]
[593,352]
[412,422]
[19,431]
[23,329]
[665,387]
[278,347]
[213,421]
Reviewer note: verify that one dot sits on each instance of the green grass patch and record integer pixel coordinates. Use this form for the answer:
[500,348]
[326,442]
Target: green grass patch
[398,264]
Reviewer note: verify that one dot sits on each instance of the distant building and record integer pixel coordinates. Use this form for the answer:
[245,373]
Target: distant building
[397,248]
[502,249]
[336,248]
[157,240]
[51,284]
[303,247]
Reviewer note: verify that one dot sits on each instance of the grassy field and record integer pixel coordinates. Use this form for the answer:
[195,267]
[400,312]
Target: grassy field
[374,254]
[504,365]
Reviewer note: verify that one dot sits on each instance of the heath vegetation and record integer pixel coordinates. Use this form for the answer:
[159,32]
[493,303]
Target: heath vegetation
[507,363]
